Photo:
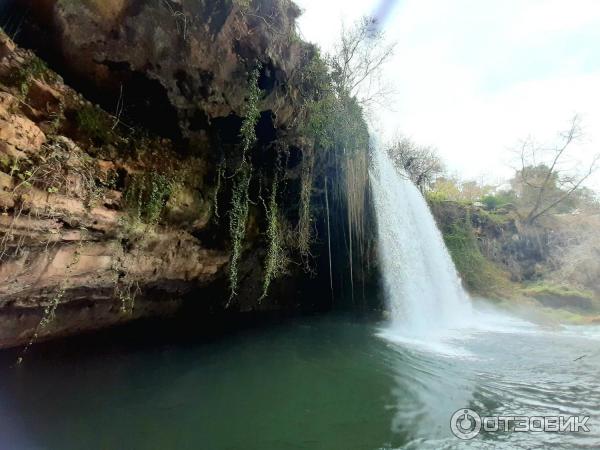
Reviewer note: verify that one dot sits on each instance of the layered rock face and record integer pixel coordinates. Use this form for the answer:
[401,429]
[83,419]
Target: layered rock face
[188,59]
[554,262]
[521,252]
[105,218]
[68,245]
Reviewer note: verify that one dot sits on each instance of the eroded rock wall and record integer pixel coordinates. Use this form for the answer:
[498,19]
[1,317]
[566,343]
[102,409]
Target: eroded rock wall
[69,249]
[119,159]
[187,60]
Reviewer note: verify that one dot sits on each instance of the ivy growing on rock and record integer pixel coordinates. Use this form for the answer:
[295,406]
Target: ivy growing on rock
[146,196]
[95,124]
[32,69]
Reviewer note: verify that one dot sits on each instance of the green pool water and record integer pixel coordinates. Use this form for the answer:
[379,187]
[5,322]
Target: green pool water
[317,383]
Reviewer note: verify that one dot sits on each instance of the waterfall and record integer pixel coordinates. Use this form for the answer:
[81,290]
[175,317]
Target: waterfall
[422,287]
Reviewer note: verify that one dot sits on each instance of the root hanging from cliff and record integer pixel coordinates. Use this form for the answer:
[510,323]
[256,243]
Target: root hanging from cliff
[356,180]
[352,190]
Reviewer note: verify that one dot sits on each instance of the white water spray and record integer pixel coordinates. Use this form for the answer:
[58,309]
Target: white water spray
[421,283]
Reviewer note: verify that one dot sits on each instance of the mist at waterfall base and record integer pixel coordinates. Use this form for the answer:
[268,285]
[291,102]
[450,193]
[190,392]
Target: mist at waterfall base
[420,281]
[428,306]
[325,383]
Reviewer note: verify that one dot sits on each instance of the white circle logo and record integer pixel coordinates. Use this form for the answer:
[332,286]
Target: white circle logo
[465,424]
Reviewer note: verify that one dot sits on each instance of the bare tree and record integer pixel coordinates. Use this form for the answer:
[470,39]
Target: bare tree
[549,177]
[421,164]
[357,62]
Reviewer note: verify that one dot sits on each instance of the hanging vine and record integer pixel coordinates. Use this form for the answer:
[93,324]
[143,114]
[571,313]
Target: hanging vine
[50,309]
[220,174]
[238,215]
[305,219]
[276,261]
[146,196]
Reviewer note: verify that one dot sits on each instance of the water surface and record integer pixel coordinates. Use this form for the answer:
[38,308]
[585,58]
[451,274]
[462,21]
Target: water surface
[318,383]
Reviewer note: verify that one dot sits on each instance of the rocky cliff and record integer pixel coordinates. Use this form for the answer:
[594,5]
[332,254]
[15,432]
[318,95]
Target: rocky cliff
[180,66]
[114,195]
[552,263]
[520,252]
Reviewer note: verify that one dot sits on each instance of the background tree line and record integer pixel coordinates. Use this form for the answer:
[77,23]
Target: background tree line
[548,179]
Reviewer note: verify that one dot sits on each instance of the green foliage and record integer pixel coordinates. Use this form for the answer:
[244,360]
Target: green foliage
[220,174]
[238,215]
[497,201]
[127,292]
[497,217]
[57,169]
[251,112]
[465,192]
[478,274]
[313,78]
[444,189]
[6,163]
[337,123]
[50,308]
[95,124]
[333,118]
[564,298]
[305,219]
[33,68]
[553,290]
[243,5]
[436,196]
[276,261]
[491,202]
[146,196]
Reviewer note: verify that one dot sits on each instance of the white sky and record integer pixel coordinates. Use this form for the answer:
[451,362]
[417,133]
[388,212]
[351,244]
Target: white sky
[473,77]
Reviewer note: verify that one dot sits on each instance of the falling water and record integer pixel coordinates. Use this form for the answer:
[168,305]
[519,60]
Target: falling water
[422,286]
